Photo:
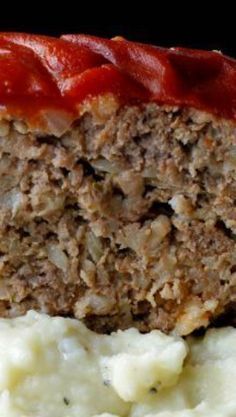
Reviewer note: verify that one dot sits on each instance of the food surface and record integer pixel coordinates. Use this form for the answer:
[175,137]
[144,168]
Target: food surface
[127,219]
[117,182]
[57,367]
[39,73]
[118,208]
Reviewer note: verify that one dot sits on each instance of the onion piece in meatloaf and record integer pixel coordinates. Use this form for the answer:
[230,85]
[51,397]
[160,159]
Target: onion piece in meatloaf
[117,182]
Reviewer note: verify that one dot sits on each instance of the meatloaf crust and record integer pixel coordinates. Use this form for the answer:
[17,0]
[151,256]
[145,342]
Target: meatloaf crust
[123,216]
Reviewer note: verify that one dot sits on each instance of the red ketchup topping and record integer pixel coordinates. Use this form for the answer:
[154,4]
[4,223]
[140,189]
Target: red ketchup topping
[38,72]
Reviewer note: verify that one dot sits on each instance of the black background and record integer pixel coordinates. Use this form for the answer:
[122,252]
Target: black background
[197,24]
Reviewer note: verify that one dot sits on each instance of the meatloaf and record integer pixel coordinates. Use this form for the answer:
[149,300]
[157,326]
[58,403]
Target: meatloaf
[117,182]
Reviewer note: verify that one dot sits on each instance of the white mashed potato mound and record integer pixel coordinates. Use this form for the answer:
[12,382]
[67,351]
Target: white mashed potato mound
[57,367]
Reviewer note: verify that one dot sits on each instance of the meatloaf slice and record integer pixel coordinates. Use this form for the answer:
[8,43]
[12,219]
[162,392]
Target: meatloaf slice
[121,215]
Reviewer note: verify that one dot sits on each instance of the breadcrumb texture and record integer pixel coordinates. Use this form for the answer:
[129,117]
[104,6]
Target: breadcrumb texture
[126,219]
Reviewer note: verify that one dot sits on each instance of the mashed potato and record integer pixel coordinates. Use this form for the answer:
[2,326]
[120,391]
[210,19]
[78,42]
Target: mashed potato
[57,367]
